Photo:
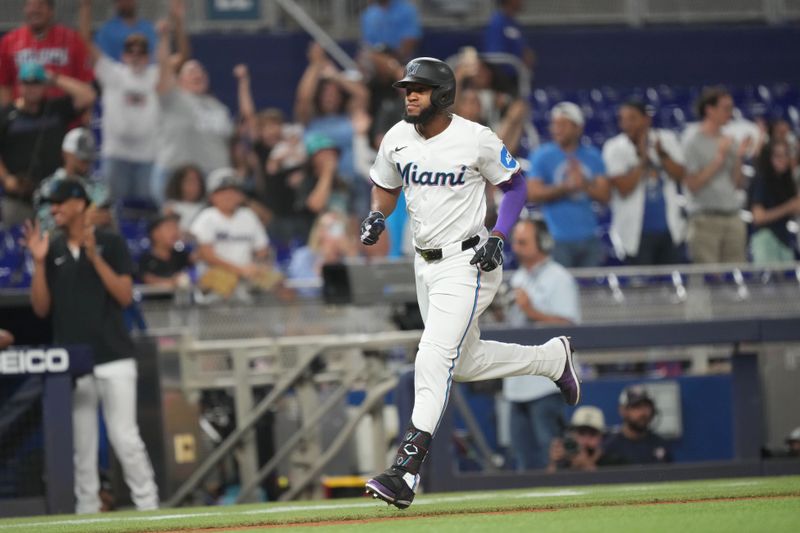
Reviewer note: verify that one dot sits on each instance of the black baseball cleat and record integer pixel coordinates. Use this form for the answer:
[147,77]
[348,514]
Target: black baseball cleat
[569,383]
[392,487]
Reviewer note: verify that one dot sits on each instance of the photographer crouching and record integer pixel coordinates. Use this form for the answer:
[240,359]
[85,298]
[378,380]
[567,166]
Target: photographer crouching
[581,447]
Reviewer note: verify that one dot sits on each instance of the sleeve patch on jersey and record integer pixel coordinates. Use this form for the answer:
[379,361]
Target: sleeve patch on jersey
[507,160]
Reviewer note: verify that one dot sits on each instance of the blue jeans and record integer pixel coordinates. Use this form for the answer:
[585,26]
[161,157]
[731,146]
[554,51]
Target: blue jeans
[534,425]
[127,179]
[576,254]
[158,183]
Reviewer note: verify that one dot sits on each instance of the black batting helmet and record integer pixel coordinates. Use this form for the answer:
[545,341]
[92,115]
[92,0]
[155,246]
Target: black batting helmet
[433,73]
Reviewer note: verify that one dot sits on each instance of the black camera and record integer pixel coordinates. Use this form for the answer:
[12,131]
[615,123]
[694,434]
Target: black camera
[570,446]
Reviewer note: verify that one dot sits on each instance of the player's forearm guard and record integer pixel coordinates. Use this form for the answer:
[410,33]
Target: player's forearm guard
[514,196]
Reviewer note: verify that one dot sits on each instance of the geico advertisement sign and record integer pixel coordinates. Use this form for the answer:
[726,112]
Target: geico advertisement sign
[34,361]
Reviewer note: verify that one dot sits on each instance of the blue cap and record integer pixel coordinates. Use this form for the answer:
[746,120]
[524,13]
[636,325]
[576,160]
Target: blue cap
[316,142]
[32,71]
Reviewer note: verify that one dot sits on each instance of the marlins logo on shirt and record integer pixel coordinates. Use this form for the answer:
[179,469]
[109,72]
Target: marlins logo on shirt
[506,159]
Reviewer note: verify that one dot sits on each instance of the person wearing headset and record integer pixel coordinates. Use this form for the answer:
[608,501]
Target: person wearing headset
[635,442]
[544,293]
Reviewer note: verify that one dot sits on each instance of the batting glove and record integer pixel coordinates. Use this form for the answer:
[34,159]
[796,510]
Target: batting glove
[372,227]
[490,256]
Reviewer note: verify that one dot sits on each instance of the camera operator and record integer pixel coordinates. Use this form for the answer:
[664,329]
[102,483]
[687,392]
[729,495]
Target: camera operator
[581,448]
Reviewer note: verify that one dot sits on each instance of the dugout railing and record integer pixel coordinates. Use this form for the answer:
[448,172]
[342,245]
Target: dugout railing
[735,309]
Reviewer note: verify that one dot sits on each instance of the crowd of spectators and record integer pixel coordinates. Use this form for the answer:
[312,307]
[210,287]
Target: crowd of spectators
[240,199]
[646,196]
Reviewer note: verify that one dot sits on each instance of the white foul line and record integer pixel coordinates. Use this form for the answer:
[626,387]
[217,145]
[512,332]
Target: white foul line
[284,509]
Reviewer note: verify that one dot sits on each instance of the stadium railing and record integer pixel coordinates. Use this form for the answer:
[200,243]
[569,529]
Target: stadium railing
[679,307]
[341,17]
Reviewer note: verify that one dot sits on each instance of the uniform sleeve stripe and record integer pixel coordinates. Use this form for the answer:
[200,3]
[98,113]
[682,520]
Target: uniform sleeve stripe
[384,188]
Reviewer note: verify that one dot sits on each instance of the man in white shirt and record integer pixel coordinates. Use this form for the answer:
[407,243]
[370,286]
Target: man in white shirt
[130,118]
[230,235]
[545,293]
[130,110]
[645,167]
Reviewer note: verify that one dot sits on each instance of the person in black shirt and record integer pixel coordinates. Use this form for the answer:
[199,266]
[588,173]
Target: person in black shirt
[165,263]
[774,202]
[635,442]
[82,277]
[31,131]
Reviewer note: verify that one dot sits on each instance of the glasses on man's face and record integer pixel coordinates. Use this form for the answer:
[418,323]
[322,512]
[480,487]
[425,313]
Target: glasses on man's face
[135,51]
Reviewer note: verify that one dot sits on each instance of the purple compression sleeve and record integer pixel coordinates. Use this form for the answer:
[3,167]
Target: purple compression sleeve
[515,193]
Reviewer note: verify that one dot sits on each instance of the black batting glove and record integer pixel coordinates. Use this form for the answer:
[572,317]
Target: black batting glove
[372,227]
[490,255]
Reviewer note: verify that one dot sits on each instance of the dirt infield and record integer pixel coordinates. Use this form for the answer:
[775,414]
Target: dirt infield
[322,523]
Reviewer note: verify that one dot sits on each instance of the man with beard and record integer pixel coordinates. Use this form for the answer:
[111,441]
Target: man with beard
[635,442]
[442,162]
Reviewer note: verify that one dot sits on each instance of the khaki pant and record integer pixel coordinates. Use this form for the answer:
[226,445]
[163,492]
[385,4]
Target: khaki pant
[717,239]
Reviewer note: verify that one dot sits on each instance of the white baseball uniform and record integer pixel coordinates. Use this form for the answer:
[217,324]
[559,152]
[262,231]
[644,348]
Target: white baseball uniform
[443,181]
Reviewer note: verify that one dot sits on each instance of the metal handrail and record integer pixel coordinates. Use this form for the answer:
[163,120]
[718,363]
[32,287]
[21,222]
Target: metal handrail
[227,445]
[373,398]
[255,348]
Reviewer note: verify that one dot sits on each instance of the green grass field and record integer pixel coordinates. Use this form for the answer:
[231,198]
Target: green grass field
[748,505]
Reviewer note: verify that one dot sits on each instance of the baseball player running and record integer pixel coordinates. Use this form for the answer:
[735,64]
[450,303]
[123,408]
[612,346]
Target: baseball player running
[441,160]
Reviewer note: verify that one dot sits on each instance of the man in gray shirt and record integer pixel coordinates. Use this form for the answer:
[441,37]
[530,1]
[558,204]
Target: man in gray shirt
[713,174]
[195,128]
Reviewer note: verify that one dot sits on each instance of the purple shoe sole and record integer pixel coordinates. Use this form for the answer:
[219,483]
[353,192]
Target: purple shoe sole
[379,491]
[568,383]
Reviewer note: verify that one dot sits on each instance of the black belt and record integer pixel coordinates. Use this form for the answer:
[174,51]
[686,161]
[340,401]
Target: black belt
[434,254]
[716,213]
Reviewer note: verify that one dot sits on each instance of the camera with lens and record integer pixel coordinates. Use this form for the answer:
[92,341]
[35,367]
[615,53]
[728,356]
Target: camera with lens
[570,447]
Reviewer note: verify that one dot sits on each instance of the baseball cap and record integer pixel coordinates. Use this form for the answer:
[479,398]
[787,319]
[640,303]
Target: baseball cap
[80,143]
[32,71]
[633,395]
[794,435]
[590,417]
[160,219]
[316,142]
[223,178]
[67,189]
[569,111]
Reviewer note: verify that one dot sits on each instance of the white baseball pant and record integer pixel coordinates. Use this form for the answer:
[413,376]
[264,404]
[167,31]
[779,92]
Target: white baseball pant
[113,385]
[452,294]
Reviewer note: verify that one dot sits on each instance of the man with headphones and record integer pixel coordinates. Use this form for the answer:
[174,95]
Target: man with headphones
[635,442]
[442,162]
[545,293]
